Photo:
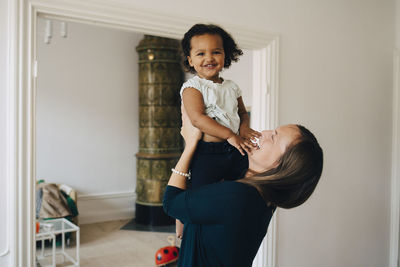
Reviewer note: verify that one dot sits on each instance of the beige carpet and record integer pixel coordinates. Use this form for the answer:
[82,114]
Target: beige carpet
[103,244]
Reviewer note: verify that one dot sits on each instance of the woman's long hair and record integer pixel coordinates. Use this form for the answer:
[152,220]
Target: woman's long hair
[293,181]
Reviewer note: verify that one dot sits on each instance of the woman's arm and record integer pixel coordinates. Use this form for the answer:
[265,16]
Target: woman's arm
[177,182]
[215,203]
[191,135]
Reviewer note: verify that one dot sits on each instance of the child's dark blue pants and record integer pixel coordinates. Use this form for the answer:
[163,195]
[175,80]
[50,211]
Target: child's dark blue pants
[213,162]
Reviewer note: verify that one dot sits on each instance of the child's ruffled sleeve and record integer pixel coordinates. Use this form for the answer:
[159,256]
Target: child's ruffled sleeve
[191,83]
[237,89]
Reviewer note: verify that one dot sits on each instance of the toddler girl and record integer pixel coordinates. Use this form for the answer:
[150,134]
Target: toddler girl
[215,106]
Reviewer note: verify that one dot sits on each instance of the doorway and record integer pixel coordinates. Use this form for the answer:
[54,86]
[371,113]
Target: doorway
[265,81]
[87,132]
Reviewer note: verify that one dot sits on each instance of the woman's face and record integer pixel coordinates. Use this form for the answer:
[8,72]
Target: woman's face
[273,144]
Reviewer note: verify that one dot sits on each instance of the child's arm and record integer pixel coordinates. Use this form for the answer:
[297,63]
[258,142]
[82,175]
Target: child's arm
[194,105]
[244,130]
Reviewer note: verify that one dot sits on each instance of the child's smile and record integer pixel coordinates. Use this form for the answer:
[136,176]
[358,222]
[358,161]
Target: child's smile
[210,66]
[207,56]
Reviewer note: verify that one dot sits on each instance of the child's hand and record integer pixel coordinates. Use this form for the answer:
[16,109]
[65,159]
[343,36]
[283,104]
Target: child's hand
[248,133]
[240,143]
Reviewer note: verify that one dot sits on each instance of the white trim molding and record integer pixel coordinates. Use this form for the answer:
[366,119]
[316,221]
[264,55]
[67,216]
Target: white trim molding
[125,16]
[20,167]
[10,134]
[118,14]
[264,115]
[106,207]
[395,183]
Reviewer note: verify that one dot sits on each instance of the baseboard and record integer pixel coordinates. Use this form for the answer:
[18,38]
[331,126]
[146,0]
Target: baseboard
[106,207]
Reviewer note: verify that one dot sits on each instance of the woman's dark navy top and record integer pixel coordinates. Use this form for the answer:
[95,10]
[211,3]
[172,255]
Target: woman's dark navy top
[225,223]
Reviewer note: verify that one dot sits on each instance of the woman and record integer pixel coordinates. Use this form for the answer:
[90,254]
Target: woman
[226,222]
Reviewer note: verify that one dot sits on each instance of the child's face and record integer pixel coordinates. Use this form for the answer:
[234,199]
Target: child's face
[207,56]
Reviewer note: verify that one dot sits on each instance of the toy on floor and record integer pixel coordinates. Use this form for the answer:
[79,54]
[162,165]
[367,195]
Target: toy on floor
[167,255]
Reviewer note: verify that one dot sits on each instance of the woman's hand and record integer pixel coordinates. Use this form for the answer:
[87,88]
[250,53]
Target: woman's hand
[190,134]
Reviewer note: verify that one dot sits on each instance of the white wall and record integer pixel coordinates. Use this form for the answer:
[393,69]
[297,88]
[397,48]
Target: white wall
[87,116]
[335,77]
[394,250]
[241,73]
[336,74]
[397,22]
[4,200]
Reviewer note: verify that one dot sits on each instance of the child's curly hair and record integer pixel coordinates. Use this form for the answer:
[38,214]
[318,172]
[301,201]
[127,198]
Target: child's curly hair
[232,52]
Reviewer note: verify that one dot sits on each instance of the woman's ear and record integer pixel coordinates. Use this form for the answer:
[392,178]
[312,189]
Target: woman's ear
[190,61]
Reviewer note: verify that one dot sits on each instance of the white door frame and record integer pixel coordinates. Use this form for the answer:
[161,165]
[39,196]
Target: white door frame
[264,115]
[395,183]
[22,85]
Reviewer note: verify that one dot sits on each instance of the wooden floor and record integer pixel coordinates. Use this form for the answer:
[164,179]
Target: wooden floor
[103,244]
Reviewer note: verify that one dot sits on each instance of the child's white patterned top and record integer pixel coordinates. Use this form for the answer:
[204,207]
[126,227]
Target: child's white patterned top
[220,100]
